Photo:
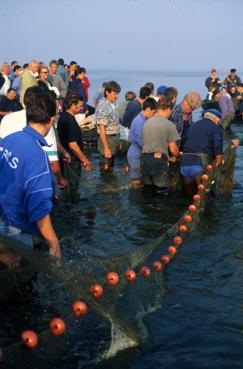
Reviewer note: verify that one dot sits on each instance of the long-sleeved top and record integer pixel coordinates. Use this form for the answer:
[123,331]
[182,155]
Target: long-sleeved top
[27,80]
[133,108]
[25,186]
[226,105]
[77,87]
[62,72]
[58,82]
[136,136]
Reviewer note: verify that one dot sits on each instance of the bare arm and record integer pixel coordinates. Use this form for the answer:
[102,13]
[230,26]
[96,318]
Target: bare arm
[174,150]
[218,160]
[46,229]
[79,154]
[103,137]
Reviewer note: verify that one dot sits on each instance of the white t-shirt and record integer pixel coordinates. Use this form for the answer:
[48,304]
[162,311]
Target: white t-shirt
[15,122]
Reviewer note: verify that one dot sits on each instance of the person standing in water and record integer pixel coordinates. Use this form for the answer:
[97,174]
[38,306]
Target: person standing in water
[26,186]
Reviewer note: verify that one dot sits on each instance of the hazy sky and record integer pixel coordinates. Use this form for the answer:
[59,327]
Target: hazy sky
[125,34]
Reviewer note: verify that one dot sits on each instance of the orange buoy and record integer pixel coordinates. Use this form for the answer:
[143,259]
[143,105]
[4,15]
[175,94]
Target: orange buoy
[112,278]
[96,290]
[209,167]
[192,208]
[106,167]
[130,275]
[158,266]
[187,218]
[30,339]
[145,272]
[172,250]
[165,259]
[79,308]
[126,169]
[183,228]
[201,187]
[205,177]
[57,326]
[177,240]
[197,197]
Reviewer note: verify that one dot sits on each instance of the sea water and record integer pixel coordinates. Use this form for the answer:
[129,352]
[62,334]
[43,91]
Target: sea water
[199,321]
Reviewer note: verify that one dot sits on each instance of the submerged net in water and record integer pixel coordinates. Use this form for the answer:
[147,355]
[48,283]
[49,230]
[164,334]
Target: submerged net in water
[125,305]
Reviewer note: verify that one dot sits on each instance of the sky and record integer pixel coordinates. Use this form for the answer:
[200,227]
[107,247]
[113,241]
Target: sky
[170,35]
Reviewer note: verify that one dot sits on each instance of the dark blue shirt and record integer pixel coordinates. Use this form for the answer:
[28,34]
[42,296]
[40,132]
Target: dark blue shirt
[133,108]
[204,137]
[77,87]
[25,185]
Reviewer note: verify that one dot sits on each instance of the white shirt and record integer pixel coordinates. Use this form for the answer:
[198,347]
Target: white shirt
[6,85]
[15,122]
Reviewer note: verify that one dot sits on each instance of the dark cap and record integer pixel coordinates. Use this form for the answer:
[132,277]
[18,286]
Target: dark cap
[214,112]
[233,70]
[161,90]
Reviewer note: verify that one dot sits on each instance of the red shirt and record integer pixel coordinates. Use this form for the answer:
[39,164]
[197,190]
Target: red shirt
[86,85]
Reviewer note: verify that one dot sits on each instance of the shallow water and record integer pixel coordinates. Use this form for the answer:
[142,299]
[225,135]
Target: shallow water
[197,322]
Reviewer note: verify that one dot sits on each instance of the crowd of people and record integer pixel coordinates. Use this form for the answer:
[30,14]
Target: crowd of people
[42,110]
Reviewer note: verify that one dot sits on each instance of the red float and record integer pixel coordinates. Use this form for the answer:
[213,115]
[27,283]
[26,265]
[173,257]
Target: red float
[106,167]
[165,259]
[192,208]
[79,308]
[197,197]
[96,290]
[183,228]
[126,169]
[205,177]
[177,240]
[145,272]
[158,266]
[130,275]
[57,326]
[209,167]
[201,187]
[187,218]
[172,250]
[30,339]
[112,278]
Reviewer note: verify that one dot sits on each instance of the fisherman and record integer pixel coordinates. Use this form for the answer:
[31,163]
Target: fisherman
[129,96]
[71,139]
[226,107]
[25,186]
[182,114]
[107,119]
[203,144]
[159,143]
[134,107]
[136,140]
[171,93]
[161,90]
[213,80]
[232,79]
[124,132]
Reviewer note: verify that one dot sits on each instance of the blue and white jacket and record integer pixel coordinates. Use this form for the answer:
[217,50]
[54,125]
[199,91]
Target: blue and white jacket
[25,180]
